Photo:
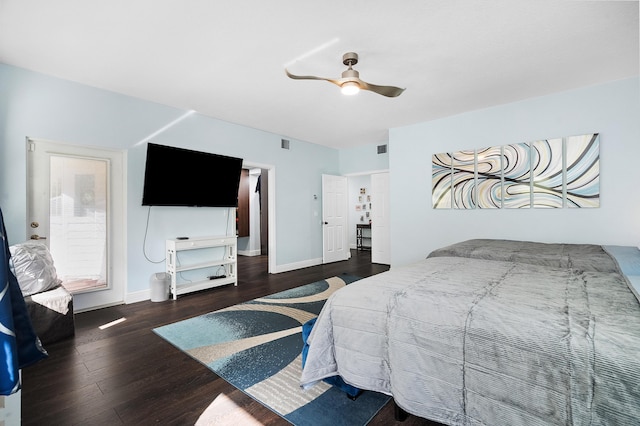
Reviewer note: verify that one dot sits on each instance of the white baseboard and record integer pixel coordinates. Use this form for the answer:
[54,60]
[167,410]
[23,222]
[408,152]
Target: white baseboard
[138,296]
[249,252]
[297,265]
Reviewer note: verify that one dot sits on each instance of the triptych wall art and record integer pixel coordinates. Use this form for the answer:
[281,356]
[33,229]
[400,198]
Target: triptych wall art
[552,173]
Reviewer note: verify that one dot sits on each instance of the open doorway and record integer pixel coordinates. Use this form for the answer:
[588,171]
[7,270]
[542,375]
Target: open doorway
[256,212]
[368,218]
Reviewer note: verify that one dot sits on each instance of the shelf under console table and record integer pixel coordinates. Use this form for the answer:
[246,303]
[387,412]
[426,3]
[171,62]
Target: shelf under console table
[202,259]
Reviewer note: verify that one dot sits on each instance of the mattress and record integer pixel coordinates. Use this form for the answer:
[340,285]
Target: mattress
[490,332]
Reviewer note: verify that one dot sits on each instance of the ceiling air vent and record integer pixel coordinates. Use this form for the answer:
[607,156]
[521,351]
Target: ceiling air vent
[382,149]
[284,143]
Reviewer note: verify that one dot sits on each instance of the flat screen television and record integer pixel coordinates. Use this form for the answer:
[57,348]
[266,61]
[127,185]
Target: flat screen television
[183,177]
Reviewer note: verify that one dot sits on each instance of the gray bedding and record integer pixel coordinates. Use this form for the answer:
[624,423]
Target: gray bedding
[490,332]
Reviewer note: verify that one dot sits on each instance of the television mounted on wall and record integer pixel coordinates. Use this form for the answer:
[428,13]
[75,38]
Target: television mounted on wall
[183,177]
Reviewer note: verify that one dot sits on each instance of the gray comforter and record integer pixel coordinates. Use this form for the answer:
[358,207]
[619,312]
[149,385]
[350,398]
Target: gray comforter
[493,333]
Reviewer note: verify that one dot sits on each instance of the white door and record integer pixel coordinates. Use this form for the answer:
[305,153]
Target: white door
[334,219]
[76,207]
[380,220]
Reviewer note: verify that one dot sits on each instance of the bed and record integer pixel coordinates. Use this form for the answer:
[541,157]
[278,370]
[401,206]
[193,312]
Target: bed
[492,332]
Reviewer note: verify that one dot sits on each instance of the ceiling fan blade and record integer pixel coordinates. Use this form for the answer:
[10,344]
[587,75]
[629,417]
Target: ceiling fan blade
[388,91]
[311,77]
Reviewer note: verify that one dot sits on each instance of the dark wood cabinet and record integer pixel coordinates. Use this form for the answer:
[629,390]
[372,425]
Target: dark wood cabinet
[242,212]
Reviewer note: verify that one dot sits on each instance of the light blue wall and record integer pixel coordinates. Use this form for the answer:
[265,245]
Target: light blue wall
[364,158]
[39,106]
[612,109]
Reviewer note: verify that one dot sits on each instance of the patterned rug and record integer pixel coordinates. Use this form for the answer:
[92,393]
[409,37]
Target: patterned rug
[256,346]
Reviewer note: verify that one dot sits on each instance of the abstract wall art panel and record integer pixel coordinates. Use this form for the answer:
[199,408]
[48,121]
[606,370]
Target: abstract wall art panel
[441,181]
[464,179]
[583,170]
[516,164]
[549,173]
[546,168]
[489,179]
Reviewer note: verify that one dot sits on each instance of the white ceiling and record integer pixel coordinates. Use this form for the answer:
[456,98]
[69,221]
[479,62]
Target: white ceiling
[226,58]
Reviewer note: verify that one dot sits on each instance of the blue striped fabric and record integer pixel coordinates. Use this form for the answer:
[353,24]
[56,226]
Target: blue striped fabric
[20,345]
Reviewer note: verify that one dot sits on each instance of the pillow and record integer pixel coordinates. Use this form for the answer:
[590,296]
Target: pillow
[33,266]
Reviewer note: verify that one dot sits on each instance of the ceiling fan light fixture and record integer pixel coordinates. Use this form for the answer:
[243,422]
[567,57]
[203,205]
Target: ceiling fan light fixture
[350,82]
[350,88]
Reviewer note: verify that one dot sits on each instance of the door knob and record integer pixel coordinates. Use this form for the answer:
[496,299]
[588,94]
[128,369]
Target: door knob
[37,237]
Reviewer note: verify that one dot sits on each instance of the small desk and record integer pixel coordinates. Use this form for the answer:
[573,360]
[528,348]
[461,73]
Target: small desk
[363,240]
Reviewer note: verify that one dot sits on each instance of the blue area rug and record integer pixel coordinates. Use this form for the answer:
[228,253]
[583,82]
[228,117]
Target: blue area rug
[256,346]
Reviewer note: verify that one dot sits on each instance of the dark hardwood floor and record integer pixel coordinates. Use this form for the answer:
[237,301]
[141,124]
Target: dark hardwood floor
[125,374]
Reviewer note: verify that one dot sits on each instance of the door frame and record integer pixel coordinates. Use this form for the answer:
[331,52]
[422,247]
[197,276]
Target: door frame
[117,202]
[271,207]
[369,174]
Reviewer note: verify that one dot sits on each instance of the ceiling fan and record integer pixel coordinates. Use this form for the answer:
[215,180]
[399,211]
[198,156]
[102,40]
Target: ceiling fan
[350,82]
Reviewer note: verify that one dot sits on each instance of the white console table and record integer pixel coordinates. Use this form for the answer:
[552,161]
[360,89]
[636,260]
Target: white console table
[214,253]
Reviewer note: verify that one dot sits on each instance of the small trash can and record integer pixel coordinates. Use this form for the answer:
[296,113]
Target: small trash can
[159,283]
